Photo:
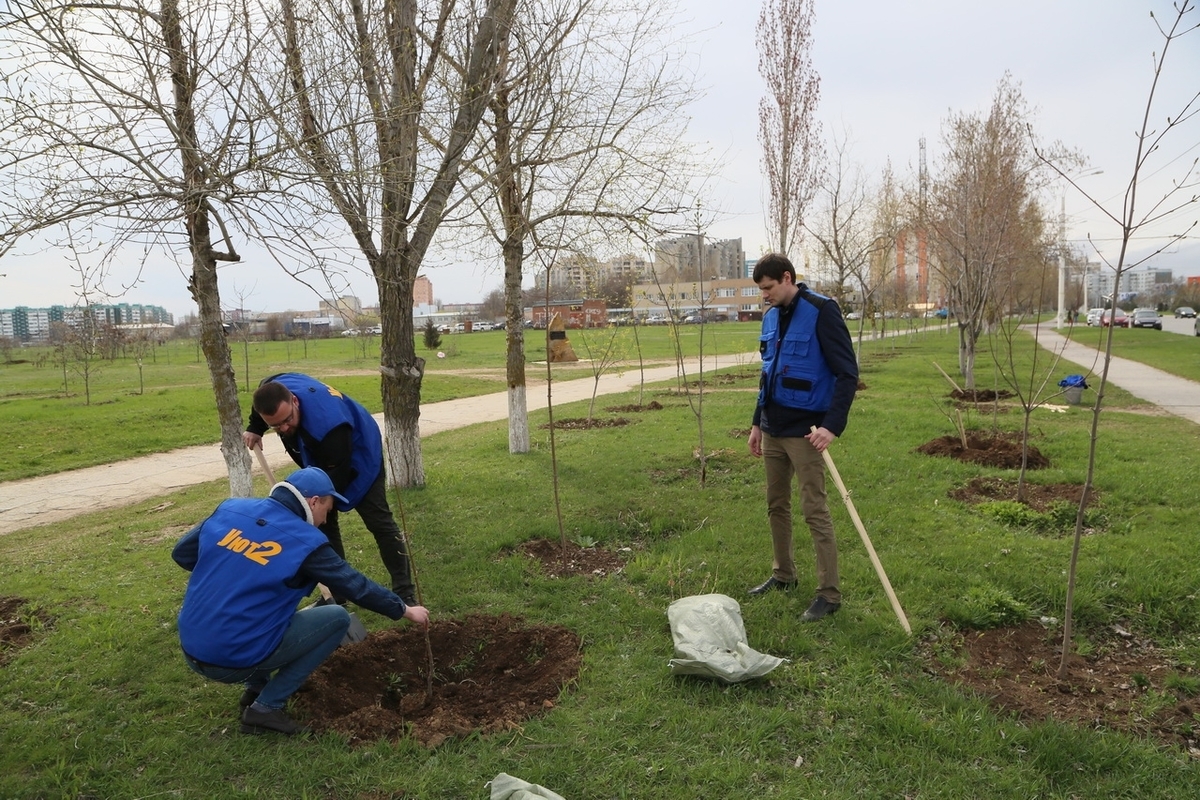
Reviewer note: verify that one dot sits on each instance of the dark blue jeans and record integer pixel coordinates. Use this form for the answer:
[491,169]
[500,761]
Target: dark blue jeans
[314,634]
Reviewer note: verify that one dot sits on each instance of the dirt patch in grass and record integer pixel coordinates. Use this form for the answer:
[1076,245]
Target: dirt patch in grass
[574,560]
[980,395]
[17,623]
[1038,496]
[489,674]
[1125,683]
[653,405]
[1001,450]
[585,424]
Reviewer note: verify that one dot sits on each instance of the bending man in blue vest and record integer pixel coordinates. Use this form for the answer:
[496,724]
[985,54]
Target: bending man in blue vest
[252,562]
[321,427]
[809,377]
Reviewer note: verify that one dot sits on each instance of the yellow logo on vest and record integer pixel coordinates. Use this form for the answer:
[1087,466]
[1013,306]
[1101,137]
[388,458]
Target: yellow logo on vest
[257,552]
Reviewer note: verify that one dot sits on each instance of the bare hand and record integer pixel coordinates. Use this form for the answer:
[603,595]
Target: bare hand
[418,615]
[755,442]
[820,438]
[252,440]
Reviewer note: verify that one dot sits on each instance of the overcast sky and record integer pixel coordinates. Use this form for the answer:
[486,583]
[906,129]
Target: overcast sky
[890,73]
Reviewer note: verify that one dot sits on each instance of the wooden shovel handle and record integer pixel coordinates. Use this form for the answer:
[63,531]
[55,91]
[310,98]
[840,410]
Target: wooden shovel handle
[262,462]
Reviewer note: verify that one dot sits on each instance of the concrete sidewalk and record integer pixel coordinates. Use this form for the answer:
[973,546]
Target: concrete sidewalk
[53,498]
[1171,393]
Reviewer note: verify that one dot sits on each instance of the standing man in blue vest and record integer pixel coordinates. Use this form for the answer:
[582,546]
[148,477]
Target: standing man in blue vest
[809,377]
[321,427]
[252,562]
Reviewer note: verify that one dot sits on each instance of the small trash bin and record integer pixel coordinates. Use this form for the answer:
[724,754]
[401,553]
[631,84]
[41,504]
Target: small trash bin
[1073,386]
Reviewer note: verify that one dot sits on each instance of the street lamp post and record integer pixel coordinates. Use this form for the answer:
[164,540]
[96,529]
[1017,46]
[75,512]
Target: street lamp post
[1062,264]
[1060,320]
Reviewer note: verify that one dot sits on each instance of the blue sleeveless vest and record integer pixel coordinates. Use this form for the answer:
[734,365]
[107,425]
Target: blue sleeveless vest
[237,608]
[323,408]
[794,373]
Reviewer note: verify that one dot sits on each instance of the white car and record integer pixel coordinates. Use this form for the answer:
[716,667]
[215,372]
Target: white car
[1093,317]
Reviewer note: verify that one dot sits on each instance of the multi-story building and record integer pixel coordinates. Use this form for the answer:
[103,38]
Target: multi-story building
[726,298]
[696,257]
[583,276]
[34,324]
[422,292]
[1100,282]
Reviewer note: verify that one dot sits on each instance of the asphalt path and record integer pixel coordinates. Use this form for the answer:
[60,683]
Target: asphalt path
[54,498]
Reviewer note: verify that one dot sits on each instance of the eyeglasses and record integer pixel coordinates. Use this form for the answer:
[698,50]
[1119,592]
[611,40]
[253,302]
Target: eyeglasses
[288,420]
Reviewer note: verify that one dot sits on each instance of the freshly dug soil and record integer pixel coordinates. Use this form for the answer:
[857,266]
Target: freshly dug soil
[653,405]
[583,423]
[1038,496]
[980,395]
[574,560]
[1000,450]
[16,632]
[489,674]
[1121,685]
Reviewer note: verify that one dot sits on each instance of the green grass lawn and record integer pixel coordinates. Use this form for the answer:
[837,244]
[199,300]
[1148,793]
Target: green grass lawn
[102,705]
[170,403]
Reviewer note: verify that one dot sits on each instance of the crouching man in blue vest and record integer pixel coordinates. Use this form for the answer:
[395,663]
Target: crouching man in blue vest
[252,562]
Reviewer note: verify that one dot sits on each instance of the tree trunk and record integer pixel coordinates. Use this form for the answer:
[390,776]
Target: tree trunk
[518,408]
[402,370]
[203,283]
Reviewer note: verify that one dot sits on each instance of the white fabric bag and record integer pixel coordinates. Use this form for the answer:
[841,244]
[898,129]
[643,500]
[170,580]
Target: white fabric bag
[710,640]
[506,787]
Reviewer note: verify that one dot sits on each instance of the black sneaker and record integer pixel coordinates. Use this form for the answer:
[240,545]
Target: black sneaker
[248,697]
[819,609]
[772,583]
[274,721]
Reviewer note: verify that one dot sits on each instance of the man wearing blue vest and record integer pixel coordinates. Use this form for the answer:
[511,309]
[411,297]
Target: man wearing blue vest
[809,377]
[321,427]
[252,562]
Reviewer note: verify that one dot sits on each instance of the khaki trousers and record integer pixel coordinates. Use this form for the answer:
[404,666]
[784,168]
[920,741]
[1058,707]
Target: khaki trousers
[784,457]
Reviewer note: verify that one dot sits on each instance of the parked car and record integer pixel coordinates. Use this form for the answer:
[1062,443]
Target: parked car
[1185,311]
[1093,317]
[853,315]
[1114,317]
[1145,318]
[656,319]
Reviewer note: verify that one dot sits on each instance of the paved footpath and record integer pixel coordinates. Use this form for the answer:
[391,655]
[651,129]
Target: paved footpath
[53,498]
[1171,393]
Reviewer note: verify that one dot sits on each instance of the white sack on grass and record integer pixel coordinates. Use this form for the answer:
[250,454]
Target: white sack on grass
[506,787]
[710,640]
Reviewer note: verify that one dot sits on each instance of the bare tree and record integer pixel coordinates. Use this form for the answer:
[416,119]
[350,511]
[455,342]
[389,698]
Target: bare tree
[788,130]
[876,269]
[604,349]
[384,143]
[1131,219]
[584,139]
[137,119]
[980,207]
[842,222]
